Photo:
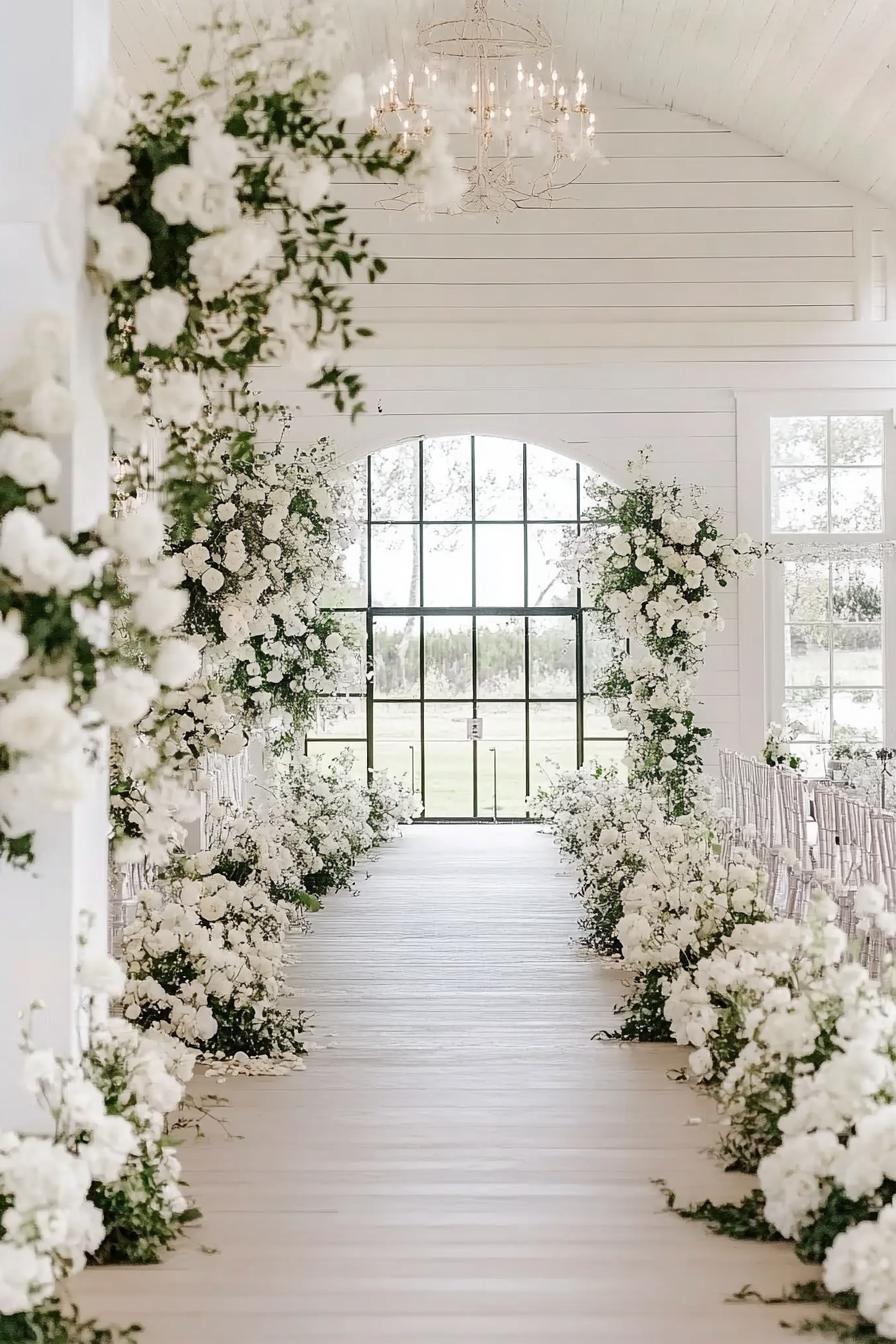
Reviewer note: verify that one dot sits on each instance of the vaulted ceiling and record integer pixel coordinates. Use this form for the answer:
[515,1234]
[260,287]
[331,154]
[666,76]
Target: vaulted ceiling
[812,79]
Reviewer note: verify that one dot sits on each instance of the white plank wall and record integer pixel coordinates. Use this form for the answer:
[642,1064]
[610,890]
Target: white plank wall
[600,404]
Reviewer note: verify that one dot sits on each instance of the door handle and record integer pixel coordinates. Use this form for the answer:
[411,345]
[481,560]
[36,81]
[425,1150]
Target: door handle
[494,753]
[413,773]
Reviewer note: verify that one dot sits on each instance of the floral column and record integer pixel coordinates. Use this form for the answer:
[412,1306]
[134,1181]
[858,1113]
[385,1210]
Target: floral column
[53,57]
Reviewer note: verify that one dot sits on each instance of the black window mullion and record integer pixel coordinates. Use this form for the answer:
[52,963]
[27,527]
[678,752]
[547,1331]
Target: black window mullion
[526,688]
[473,626]
[369,664]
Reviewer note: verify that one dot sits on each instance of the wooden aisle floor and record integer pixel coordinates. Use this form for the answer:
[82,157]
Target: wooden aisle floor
[462,1162]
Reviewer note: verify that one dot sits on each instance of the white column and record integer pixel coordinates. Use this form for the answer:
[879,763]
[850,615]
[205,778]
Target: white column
[52,56]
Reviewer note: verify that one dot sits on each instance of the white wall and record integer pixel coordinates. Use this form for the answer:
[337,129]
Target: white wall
[696,266]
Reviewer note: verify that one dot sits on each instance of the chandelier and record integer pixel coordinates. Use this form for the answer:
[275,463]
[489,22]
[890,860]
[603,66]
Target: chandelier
[532,131]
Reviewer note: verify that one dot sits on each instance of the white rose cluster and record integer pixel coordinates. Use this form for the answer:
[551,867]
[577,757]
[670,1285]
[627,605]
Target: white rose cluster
[106,1169]
[256,574]
[794,1038]
[205,958]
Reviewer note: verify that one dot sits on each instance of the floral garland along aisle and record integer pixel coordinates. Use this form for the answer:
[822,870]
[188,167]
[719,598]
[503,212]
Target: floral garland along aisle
[184,619]
[787,1030]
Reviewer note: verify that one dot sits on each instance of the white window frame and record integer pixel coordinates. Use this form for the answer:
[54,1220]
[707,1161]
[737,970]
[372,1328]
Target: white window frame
[761,596]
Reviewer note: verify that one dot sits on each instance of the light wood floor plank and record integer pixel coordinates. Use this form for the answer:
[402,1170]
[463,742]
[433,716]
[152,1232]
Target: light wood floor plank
[461,1161]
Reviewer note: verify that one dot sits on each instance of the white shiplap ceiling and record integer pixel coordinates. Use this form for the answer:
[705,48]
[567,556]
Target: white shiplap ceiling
[813,79]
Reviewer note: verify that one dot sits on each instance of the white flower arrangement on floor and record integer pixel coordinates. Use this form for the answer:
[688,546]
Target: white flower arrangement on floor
[796,1041]
[205,959]
[104,1185]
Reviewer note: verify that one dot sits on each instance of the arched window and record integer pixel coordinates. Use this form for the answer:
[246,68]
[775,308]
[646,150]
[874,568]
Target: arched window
[478,654]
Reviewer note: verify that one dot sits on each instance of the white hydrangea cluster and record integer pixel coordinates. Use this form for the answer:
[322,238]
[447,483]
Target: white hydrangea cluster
[106,1169]
[861,1261]
[205,958]
[657,562]
[653,563]
[607,830]
[256,573]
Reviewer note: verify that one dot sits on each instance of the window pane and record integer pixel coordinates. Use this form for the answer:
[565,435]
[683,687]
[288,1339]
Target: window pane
[353,655]
[351,589]
[856,590]
[395,565]
[597,650]
[447,565]
[394,483]
[338,716]
[499,565]
[806,655]
[808,713]
[597,719]
[589,480]
[799,440]
[499,478]
[799,500]
[548,587]
[449,761]
[446,478]
[353,752]
[500,655]
[504,733]
[857,439]
[396,656]
[550,484]
[858,656]
[448,656]
[552,655]
[806,584]
[858,716]
[856,499]
[552,747]
[604,753]
[396,742]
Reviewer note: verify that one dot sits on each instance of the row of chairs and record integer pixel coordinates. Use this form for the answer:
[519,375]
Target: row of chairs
[802,830]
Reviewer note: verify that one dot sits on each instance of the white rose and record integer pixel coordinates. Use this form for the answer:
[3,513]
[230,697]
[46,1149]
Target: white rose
[113,170]
[212,580]
[305,188]
[158,609]
[272,526]
[177,398]
[312,642]
[222,260]
[49,409]
[333,641]
[123,695]
[159,318]
[621,544]
[211,151]
[38,718]
[174,191]
[122,402]
[226,511]
[212,908]
[176,662]
[138,534]
[13,644]
[28,461]
[99,972]
[667,765]
[122,250]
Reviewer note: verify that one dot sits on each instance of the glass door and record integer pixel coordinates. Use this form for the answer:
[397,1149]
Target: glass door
[480,658]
